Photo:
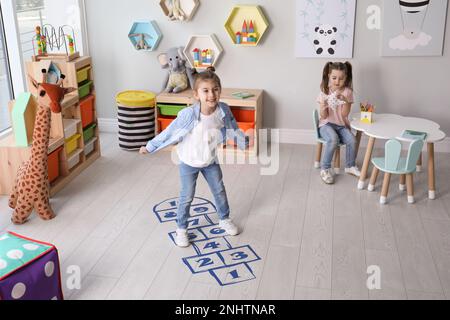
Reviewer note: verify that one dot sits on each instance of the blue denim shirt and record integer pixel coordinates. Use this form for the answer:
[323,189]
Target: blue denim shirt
[185,123]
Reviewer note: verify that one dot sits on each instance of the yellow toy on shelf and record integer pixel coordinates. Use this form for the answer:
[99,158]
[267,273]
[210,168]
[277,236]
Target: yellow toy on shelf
[367,111]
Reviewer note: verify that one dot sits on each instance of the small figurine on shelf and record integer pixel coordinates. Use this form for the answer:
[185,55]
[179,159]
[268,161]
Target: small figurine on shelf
[367,111]
[175,11]
[238,38]
[196,52]
[141,44]
[208,61]
[44,44]
[71,44]
[39,40]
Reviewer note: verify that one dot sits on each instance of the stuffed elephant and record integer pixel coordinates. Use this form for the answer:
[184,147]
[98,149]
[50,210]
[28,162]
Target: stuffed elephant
[180,76]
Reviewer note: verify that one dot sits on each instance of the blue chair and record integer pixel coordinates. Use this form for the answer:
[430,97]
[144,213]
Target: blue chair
[321,142]
[393,163]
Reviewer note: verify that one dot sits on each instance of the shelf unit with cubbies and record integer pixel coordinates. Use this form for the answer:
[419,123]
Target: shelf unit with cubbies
[247,112]
[74,136]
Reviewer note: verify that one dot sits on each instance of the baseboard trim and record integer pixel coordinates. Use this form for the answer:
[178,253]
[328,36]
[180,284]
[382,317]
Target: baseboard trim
[108,125]
[290,136]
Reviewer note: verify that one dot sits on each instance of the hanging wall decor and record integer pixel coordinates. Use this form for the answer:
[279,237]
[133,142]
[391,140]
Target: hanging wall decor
[246,25]
[145,35]
[325,29]
[414,27]
[179,10]
[203,51]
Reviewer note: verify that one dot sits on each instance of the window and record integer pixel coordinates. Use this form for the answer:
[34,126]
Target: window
[19,19]
[57,13]
[5,81]
[30,13]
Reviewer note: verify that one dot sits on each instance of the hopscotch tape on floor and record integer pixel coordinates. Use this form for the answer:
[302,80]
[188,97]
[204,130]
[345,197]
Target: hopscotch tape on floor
[228,265]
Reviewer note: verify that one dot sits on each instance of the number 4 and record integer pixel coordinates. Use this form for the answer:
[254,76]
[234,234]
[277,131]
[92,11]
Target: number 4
[212,245]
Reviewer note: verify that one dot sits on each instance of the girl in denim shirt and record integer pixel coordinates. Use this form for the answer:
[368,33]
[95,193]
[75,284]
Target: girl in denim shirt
[198,131]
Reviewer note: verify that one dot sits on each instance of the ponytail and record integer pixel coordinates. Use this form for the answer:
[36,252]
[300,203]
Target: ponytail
[208,75]
[326,78]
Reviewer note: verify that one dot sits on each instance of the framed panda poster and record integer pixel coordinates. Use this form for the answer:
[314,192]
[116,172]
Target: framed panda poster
[414,27]
[325,29]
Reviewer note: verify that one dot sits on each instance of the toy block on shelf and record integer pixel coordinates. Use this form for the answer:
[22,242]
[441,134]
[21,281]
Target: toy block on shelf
[23,114]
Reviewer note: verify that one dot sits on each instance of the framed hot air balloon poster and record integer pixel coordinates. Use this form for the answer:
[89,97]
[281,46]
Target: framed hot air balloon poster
[325,29]
[414,27]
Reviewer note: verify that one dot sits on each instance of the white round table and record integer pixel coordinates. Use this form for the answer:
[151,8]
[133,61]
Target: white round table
[391,126]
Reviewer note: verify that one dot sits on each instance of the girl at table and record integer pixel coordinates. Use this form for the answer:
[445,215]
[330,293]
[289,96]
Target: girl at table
[335,100]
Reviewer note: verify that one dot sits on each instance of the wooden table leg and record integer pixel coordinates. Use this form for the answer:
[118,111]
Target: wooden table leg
[431,176]
[419,163]
[365,167]
[358,142]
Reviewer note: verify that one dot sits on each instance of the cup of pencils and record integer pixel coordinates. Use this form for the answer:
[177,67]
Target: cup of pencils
[367,111]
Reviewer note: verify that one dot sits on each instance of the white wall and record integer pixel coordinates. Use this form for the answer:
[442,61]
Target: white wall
[409,86]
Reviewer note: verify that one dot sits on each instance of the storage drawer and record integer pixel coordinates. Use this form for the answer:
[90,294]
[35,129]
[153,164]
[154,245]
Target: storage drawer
[53,165]
[90,146]
[249,130]
[89,132]
[83,74]
[84,89]
[164,122]
[170,109]
[87,111]
[74,159]
[243,115]
[72,143]
[70,127]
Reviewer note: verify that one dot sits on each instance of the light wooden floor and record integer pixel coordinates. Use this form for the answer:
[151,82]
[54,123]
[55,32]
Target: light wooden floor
[315,241]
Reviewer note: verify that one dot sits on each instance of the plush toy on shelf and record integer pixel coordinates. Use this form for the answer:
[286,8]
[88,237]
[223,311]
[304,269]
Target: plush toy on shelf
[180,76]
[141,44]
[175,11]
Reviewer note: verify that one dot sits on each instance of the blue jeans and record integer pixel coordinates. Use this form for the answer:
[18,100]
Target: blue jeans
[333,134]
[214,177]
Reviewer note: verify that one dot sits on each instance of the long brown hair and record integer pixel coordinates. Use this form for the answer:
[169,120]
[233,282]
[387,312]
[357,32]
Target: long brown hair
[208,75]
[330,66]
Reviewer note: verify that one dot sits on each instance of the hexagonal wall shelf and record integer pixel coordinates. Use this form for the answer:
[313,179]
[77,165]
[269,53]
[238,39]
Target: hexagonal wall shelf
[145,35]
[187,9]
[203,51]
[246,25]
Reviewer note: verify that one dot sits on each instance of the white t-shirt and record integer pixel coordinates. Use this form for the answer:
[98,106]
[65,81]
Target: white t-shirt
[198,148]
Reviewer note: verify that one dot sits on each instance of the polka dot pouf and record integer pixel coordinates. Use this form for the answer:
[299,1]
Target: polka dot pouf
[29,269]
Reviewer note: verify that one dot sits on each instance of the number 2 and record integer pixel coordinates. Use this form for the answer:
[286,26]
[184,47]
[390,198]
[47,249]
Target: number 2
[204,262]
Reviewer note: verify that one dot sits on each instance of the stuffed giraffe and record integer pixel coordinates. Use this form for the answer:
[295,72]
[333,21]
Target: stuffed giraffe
[31,188]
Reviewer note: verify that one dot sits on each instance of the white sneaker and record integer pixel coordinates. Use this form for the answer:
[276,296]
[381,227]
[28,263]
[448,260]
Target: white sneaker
[182,238]
[229,227]
[353,171]
[327,176]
